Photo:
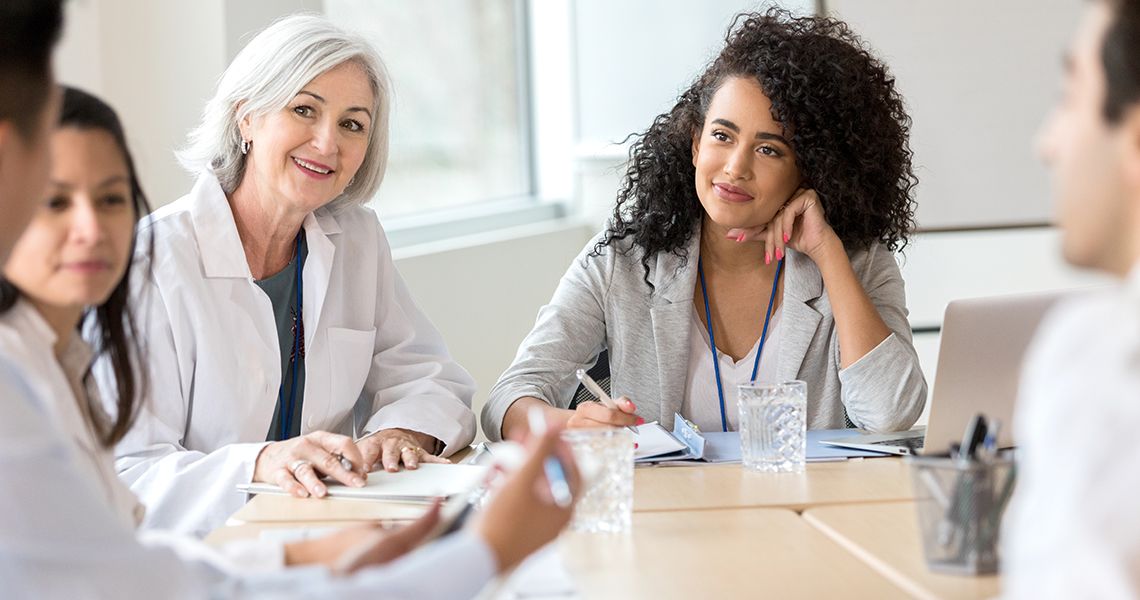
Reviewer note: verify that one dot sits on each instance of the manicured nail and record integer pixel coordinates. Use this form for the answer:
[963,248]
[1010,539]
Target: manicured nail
[641,421]
[740,238]
[779,254]
[635,445]
[786,237]
[767,258]
[631,405]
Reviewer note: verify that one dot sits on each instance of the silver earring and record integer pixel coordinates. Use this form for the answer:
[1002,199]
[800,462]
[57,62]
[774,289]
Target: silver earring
[351,181]
[245,146]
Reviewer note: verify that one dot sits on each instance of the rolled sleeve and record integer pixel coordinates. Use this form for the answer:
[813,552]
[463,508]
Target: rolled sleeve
[885,389]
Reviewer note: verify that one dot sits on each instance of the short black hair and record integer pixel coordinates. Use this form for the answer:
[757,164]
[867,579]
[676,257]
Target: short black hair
[1121,58]
[29,30]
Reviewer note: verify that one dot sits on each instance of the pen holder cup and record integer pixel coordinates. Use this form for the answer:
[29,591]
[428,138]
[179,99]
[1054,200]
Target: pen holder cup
[960,506]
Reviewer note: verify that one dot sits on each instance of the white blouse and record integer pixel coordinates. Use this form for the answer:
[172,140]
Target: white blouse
[701,404]
[27,339]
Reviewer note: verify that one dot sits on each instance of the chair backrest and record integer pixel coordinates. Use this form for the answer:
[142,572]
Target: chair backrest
[601,374]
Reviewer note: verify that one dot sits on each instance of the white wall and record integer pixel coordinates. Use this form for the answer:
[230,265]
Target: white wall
[484,292]
[979,77]
[155,63]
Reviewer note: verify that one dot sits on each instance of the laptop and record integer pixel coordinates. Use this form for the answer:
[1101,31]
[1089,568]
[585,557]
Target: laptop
[979,362]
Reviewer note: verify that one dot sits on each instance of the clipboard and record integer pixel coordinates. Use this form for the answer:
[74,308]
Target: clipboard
[684,443]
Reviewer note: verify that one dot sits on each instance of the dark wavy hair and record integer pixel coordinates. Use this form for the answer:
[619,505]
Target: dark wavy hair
[849,131]
[113,320]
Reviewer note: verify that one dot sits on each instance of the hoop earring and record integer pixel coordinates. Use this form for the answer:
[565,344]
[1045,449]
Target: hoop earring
[245,144]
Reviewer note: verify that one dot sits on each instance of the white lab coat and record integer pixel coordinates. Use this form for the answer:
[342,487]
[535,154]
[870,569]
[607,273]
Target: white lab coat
[1073,528]
[59,537]
[214,358]
[71,534]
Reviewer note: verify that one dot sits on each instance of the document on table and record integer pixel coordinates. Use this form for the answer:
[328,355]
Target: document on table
[427,482]
[653,440]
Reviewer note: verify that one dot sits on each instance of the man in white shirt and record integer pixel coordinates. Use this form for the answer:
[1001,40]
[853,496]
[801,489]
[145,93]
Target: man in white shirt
[1073,528]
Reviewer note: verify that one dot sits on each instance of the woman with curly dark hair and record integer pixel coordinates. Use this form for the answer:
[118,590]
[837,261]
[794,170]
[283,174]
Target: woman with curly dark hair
[753,239]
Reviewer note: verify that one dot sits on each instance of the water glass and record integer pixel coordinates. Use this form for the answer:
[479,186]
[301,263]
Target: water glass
[605,460]
[773,426]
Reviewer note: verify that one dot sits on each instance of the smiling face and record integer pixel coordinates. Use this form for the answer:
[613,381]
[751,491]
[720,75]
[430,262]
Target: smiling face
[745,167]
[305,154]
[76,249]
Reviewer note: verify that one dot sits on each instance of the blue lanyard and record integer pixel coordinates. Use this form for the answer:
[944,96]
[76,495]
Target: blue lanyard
[285,416]
[712,341]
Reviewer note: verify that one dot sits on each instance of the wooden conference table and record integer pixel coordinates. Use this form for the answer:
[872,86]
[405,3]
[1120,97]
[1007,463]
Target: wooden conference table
[841,529]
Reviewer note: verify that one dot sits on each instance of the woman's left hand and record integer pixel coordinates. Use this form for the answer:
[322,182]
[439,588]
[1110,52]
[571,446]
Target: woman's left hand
[799,225]
[390,447]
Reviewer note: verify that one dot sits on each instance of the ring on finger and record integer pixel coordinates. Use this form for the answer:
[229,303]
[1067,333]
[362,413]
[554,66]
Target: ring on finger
[413,449]
[297,464]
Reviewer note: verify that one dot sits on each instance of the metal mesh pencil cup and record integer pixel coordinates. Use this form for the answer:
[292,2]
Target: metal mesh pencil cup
[960,506]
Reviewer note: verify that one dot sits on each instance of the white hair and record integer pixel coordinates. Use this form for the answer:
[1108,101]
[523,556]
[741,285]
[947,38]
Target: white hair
[265,76]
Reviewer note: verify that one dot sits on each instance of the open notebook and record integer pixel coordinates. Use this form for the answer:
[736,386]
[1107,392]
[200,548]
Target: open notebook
[427,482]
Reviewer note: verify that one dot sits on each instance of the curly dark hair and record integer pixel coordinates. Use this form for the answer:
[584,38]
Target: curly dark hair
[849,131]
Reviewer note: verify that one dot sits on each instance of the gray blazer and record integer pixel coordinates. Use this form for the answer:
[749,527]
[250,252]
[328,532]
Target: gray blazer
[603,302]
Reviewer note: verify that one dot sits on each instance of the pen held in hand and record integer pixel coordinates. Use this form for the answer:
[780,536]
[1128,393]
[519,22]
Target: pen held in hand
[555,474]
[597,390]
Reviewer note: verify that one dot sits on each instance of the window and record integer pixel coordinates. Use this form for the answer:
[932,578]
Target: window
[460,126]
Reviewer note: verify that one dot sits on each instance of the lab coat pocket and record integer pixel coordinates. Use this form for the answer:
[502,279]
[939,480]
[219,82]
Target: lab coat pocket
[350,352]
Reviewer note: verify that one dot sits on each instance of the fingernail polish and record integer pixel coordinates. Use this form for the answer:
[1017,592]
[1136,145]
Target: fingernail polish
[779,254]
[635,445]
[767,258]
[641,421]
[632,405]
[740,238]
[786,237]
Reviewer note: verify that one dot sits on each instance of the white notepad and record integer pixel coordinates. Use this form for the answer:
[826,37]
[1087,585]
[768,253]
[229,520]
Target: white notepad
[427,482]
[654,440]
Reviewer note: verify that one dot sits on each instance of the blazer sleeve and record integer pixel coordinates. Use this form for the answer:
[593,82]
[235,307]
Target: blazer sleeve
[414,383]
[885,390]
[185,491]
[567,335]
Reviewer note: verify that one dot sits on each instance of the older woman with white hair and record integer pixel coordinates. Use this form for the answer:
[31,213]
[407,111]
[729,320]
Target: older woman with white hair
[275,321]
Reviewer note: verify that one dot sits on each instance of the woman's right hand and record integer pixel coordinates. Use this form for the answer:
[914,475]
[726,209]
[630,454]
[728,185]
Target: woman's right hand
[296,465]
[595,414]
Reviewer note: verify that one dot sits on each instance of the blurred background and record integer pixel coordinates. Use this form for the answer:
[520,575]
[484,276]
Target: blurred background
[510,118]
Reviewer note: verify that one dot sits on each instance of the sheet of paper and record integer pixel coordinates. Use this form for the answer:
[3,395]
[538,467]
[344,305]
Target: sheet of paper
[653,440]
[421,485]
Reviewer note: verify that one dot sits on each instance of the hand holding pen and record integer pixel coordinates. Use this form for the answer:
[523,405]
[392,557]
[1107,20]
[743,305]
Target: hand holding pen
[613,414]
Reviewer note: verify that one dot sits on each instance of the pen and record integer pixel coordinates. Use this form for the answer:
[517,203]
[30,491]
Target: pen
[555,474]
[597,390]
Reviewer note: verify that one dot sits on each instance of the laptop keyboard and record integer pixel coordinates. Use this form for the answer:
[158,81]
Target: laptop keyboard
[912,443]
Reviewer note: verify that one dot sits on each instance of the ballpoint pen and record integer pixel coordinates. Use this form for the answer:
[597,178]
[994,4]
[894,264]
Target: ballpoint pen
[597,390]
[555,474]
